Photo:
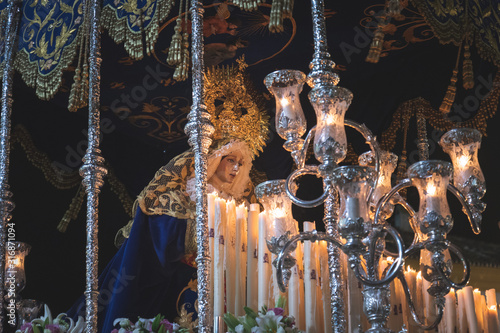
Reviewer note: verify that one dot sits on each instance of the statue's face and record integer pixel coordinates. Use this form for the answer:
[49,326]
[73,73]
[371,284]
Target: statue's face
[229,166]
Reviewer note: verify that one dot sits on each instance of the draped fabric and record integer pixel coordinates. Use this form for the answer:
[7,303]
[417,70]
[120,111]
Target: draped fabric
[454,20]
[146,276]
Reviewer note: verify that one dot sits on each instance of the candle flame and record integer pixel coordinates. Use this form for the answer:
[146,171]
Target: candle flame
[463,160]
[284,102]
[279,212]
[493,307]
[419,275]
[431,189]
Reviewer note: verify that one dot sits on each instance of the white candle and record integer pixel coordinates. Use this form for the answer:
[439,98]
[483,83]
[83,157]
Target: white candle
[277,228]
[252,256]
[325,287]
[411,279]
[354,301]
[230,255]
[264,265]
[470,311]
[220,224]
[419,304]
[478,307]
[310,276]
[211,234]
[491,303]
[461,312]
[319,298]
[301,320]
[241,218]
[493,325]
[450,313]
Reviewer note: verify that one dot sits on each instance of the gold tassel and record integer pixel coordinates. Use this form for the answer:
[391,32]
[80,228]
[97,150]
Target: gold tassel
[393,9]
[182,70]
[468,77]
[174,51]
[376,46]
[287,8]
[276,16]
[449,98]
[84,86]
[74,101]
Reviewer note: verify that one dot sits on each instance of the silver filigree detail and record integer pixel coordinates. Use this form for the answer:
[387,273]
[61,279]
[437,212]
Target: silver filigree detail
[283,78]
[424,169]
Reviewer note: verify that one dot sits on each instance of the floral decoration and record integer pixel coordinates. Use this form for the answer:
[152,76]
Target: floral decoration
[45,324]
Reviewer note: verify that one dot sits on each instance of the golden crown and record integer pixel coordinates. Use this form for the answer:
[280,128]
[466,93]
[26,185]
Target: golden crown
[237,111]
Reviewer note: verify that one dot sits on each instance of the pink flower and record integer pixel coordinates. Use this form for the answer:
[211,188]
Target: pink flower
[168,325]
[52,328]
[277,311]
[27,328]
[114,331]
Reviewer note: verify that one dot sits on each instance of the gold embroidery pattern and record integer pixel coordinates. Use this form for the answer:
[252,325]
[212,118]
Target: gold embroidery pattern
[164,118]
[127,23]
[185,319]
[48,43]
[166,193]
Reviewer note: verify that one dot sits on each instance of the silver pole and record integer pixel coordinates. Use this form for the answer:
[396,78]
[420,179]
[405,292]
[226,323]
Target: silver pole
[335,264]
[199,129]
[6,204]
[93,170]
[322,76]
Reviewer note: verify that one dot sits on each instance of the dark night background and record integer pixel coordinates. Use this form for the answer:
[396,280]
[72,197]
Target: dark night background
[55,268]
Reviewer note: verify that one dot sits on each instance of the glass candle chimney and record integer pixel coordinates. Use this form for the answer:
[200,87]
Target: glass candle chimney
[286,86]
[462,144]
[330,104]
[434,218]
[354,184]
[272,195]
[387,165]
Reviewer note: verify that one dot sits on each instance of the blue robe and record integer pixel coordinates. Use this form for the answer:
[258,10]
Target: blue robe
[146,276]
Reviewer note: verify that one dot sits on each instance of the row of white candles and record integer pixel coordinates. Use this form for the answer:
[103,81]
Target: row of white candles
[243,275]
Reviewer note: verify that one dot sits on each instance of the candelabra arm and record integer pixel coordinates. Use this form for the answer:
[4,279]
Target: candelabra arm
[383,201]
[466,276]
[290,245]
[371,140]
[414,313]
[416,244]
[473,215]
[299,156]
[306,170]
[393,269]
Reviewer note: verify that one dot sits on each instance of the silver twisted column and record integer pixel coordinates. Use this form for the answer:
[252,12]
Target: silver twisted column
[93,170]
[334,264]
[199,129]
[6,204]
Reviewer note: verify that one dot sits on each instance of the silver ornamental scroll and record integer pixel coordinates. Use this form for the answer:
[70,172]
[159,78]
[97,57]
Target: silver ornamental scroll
[6,204]
[200,129]
[93,170]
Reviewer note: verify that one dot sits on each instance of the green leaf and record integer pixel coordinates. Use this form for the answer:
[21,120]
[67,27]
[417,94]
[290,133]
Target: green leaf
[231,321]
[46,322]
[250,321]
[250,312]
[36,329]
[281,303]
[156,323]
[162,329]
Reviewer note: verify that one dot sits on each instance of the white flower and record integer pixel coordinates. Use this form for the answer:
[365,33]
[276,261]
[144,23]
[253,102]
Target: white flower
[239,329]
[269,321]
[124,322]
[280,330]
